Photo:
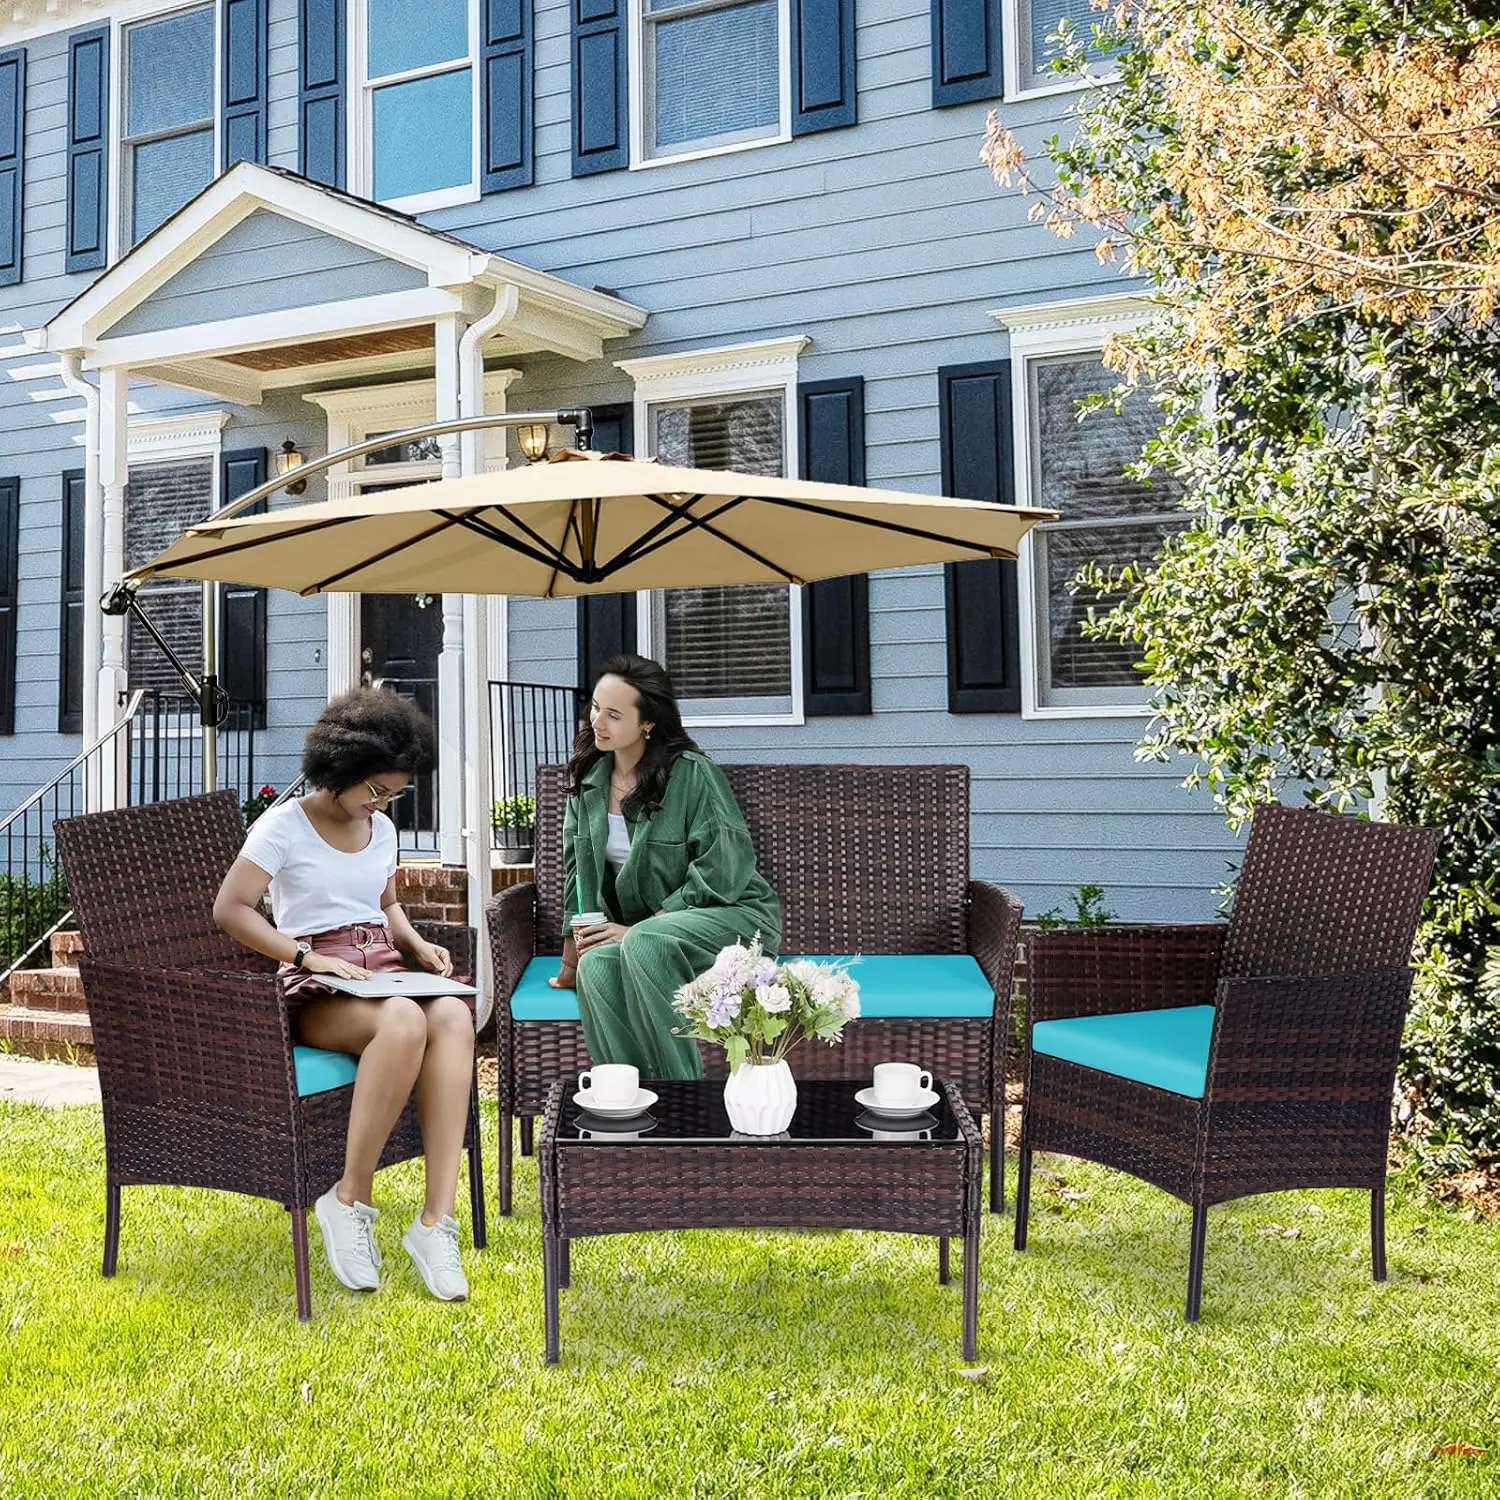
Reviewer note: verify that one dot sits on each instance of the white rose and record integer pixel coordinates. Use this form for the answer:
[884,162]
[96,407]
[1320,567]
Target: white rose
[774,998]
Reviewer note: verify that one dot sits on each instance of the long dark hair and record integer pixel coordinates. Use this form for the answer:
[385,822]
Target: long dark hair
[667,743]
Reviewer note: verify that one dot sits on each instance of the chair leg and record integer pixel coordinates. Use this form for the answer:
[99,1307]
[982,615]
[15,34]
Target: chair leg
[1023,1194]
[1195,1262]
[945,1274]
[507,1126]
[997,1157]
[1377,1231]
[528,1138]
[111,1227]
[476,1178]
[300,1265]
[564,1263]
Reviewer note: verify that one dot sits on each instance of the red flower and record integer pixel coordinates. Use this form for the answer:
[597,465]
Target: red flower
[267,791]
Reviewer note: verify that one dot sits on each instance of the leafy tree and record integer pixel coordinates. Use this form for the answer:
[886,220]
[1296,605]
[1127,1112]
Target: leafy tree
[1313,194]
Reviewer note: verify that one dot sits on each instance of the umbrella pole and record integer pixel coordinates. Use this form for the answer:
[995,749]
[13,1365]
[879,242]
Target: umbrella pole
[208,694]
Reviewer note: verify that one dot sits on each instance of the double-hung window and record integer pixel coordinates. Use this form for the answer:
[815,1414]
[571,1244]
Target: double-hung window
[1077,468]
[714,75]
[419,123]
[1031,54]
[170,109]
[735,654]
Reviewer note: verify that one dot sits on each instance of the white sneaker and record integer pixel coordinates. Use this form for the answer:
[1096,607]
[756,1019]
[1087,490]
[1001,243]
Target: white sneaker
[349,1239]
[434,1250]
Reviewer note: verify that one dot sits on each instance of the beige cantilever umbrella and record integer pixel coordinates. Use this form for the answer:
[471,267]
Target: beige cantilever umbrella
[607,526]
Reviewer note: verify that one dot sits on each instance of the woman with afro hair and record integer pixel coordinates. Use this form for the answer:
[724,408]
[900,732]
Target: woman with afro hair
[329,860]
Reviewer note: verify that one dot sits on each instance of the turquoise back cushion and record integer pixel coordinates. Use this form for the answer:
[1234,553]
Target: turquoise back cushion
[1166,1048]
[319,1071]
[900,985]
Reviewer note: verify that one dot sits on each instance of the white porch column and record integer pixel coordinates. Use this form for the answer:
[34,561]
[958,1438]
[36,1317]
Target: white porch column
[114,472]
[451,716]
[93,590]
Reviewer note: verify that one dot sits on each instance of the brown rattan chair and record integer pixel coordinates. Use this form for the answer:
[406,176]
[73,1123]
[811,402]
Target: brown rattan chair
[1224,1060]
[191,1032]
[867,860]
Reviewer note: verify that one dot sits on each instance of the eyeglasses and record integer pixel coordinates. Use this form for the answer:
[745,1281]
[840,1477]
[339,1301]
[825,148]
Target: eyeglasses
[376,795]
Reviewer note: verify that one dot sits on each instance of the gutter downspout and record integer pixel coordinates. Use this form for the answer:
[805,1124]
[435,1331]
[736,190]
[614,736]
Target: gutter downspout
[70,365]
[478,792]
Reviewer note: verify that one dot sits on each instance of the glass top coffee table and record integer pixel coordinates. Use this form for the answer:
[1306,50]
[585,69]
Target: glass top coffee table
[680,1166]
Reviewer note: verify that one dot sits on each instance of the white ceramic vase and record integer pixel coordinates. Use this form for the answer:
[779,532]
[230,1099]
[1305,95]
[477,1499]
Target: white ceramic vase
[761,1098]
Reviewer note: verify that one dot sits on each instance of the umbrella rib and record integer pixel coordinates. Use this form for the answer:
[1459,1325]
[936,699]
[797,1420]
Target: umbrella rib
[228,551]
[380,557]
[653,542]
[543,552]
[893,526]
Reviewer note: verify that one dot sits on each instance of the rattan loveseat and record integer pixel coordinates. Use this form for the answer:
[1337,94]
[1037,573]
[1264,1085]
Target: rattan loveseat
[867,860]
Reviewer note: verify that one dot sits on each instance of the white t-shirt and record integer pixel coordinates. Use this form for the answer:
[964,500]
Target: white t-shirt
[617,849]
[315,887]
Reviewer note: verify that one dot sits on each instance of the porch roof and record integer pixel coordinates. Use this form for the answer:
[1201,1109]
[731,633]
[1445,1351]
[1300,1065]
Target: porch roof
[268,280]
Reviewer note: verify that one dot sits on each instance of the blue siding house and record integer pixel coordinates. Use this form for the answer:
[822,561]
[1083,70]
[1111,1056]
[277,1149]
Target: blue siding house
[747,233]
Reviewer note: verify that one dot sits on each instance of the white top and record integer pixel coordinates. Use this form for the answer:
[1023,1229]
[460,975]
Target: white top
[617,849]
[315,887]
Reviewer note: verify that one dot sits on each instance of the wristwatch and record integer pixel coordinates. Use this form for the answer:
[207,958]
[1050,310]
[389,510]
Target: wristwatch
[303,949]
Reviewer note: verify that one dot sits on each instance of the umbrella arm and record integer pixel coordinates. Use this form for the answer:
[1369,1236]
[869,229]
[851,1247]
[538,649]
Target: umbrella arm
[212,700]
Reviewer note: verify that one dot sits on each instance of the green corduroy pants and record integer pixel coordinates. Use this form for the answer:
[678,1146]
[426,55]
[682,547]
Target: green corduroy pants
[625,989]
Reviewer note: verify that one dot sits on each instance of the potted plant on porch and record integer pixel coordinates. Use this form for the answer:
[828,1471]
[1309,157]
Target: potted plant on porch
[514,821]
[757,1010]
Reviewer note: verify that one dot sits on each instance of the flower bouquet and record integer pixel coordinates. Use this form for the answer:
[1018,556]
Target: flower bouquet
[757,1010]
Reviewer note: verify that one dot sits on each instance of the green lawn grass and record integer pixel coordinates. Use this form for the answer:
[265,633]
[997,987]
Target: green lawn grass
[745,1364]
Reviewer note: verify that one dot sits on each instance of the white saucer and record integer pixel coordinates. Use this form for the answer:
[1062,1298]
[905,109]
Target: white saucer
[643,1101]
[924,1100]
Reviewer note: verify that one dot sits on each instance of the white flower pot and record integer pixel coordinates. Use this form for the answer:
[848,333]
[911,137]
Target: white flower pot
[761,1098]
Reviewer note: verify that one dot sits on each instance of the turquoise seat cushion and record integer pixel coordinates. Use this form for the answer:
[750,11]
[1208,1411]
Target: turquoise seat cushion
[891,985]
[1166,1048]
[319,1071]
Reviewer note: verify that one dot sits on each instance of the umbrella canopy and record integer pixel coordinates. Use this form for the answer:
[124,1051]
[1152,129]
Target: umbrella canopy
[612,525]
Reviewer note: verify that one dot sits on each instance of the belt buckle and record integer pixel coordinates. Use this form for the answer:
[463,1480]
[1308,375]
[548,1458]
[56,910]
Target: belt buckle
[364,937]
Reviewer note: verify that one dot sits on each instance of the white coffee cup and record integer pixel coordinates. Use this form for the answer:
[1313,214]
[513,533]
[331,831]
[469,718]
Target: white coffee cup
[900,1084]
[614,1085]
[587,919]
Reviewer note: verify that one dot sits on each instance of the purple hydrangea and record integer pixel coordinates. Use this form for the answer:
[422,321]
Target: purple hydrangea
[723,1007]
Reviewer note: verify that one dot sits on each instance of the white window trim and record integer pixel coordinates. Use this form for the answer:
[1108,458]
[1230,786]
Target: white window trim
[1016,79]
[640,159]
[1040,331]
[361,123]
[727,371]
[117,231]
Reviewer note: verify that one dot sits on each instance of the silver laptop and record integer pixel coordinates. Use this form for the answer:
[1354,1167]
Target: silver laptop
[414,982]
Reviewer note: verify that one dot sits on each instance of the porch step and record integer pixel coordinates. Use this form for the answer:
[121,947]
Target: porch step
[57,1034]
[47,989]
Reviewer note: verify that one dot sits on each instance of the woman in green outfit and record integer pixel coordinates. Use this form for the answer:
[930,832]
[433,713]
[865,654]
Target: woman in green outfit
[653,839]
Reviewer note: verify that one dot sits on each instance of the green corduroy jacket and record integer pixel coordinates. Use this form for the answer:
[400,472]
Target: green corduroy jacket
[694,852]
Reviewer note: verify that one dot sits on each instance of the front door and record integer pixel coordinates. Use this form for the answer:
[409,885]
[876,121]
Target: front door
[400,638]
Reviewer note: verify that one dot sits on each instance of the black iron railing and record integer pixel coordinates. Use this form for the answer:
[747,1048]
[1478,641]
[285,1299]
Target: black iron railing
[166,749]
[531,724]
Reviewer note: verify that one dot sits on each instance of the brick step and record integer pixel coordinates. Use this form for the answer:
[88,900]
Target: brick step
[47,989]
[58,1034]
[66,946]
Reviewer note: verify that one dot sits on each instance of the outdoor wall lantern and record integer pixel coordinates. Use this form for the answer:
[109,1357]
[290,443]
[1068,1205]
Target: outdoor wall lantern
[291,457]
[533,440]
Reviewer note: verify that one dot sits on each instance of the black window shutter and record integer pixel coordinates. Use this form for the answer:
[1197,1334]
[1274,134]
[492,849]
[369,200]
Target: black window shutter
[835,611]
[506,113]
[242,637]
[88,149]
[245,86]
[966,42]
[606,622]
[70,654]
[320,102]
[823,92]
[12,161]
[601,110]
[10,539]
[984,658]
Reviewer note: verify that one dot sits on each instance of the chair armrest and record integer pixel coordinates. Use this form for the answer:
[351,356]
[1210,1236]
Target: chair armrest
[207,1035]
[510,920]
[1308,1036]
[994,929]
[458,939]
[1096,971]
